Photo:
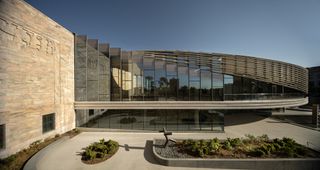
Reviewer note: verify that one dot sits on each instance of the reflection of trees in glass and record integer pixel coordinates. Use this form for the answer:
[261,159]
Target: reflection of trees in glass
[173,87]
[173,84]
[162,85]
[163,82]
[183,91]
[193,90]
[149,83]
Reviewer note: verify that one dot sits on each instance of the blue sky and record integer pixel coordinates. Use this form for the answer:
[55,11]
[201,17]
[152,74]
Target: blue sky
[285,30]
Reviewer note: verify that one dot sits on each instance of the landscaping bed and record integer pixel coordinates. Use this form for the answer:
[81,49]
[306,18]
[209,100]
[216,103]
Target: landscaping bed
[249,147]
[18,160]
[99,151]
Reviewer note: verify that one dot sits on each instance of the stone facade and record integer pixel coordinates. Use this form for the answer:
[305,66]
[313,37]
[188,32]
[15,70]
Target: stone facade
[36,75]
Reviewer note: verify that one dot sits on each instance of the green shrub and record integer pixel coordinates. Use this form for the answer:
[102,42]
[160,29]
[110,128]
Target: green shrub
[288,151]
[263,138]
[289,142]
[89,154]
[214,145]
[268,148]
[251,138]
[99,149]
[260,146]
[258,153]
[227,145]
[202,147]
[235,142]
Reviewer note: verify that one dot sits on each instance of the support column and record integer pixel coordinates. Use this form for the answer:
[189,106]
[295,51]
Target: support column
[196,119]
[315,115]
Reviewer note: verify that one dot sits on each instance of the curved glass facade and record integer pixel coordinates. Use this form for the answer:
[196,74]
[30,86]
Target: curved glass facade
[176,76]
[137,76]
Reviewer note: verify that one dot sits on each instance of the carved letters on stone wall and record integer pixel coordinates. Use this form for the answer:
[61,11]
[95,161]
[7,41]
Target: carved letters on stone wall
[25,37]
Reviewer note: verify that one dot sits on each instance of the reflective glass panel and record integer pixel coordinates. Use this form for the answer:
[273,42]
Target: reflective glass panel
[183,92]
[194,90]
[149,85]
[172,88]
[137,78]
[205,85]
[161,82]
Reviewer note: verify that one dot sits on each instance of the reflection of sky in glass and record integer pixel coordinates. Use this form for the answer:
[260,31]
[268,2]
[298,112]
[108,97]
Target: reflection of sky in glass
[205,80]
[228,79]
[171,69]
[183,76]
[217,80]
[194,74]
[148,62]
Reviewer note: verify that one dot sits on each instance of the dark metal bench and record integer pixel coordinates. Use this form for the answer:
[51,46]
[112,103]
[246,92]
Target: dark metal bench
[166,134]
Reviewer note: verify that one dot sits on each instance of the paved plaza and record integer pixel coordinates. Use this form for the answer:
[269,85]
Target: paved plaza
[135,150]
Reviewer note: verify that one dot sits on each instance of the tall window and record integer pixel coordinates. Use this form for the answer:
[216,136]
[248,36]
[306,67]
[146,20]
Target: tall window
[183,92]
[217,86]
[116,78]
[228,85]
[161,81]
[205,85]
[172,81]
[48,122]
[194,83]
[2,136]
[137,78]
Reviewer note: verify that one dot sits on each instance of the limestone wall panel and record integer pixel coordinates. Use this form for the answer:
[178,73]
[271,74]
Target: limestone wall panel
[36,74]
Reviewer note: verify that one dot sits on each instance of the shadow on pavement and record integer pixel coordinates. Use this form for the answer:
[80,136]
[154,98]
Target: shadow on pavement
[231,119]
[127,147]
[304,120]
[148,154]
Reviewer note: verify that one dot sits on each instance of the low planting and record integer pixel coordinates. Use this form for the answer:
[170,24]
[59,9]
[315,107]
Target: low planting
[249,147]
[99,151]
[18,160]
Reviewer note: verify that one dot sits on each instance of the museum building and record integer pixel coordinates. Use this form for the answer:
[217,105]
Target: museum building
[53,80]
[181,91]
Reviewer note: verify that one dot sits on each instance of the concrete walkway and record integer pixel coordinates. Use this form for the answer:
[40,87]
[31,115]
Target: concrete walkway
[135,151]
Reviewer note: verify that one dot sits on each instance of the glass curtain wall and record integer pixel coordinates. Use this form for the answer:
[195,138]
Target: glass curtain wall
[116,74]
[206,92]
[242,88]
[172,76]
[161,81]
[137,77]
[183,79]
[150,77]
[126,75]
[154,120]
[194,79]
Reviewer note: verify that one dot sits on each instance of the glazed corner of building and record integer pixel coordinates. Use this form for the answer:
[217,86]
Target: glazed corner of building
[39,82]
